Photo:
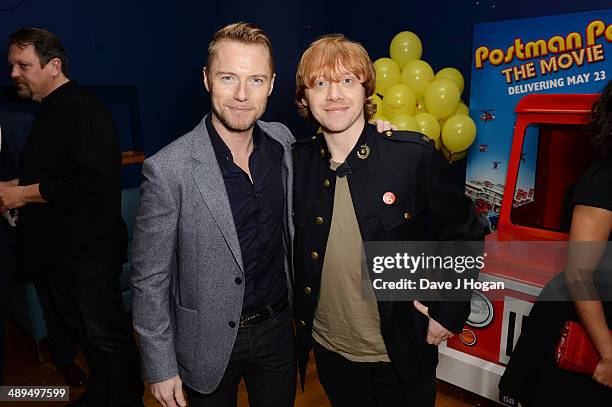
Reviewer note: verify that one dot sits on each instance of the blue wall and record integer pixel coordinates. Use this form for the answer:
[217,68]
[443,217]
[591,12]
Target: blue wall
[158,47]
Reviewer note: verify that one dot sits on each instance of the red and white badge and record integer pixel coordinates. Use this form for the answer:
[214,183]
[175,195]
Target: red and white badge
[389,198]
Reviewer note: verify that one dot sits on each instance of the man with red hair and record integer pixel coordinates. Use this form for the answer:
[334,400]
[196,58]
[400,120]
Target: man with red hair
[353,184]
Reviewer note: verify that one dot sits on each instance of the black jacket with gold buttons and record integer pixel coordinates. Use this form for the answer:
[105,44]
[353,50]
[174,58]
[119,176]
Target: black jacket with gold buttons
[427,206]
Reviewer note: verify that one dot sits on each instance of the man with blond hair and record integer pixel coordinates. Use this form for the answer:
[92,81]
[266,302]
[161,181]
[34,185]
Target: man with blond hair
[353,185]
[212,280]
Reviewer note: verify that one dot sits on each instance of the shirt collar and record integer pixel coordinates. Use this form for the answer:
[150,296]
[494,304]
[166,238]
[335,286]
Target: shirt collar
[217,142]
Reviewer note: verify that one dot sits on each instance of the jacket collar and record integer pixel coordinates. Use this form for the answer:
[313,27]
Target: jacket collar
[359,154]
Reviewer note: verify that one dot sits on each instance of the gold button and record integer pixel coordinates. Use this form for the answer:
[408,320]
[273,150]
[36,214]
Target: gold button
[302,323]
[307,290]
[319,220]
[314,255]
[407,215]
[322,151]
[388,133]
[326,183]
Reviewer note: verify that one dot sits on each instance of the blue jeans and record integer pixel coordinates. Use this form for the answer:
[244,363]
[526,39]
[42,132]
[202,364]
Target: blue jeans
[264,354]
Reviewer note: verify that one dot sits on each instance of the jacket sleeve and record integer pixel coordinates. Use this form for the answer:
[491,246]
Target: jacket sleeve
[454,219]
[153,265]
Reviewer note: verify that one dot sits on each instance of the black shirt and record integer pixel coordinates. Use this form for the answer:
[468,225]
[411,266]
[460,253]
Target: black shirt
[73,152]
[595,186]
[257,208]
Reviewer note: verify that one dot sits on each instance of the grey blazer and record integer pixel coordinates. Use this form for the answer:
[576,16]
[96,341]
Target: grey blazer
[186,257]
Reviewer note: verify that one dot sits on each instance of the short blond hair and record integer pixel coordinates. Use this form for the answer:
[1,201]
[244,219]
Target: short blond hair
[242,32]
[328,57]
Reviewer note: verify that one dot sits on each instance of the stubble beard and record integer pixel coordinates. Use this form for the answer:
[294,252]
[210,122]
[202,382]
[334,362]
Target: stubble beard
[233,125]
[24,91]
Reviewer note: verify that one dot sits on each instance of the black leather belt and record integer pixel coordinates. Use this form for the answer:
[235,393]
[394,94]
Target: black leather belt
[264,314]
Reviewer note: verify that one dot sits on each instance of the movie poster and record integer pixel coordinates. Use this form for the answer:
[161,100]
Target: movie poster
[570,54]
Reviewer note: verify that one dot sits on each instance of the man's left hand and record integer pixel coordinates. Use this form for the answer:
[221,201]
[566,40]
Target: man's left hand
[11,197]
[436,333]
[384,125]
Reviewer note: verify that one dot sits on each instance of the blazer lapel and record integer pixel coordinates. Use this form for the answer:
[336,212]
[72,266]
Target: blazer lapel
[208,178]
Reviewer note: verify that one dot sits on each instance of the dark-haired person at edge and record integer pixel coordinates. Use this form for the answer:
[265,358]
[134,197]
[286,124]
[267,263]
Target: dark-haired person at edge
[353,185]
[69,201]
[531,376]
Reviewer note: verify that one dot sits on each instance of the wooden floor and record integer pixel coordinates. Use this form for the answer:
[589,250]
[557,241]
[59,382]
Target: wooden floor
[23,368]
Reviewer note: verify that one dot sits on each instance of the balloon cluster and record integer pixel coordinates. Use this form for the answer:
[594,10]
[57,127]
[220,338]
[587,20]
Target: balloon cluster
[411,97]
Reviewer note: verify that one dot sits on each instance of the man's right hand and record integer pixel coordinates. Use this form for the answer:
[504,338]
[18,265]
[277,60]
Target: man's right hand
[169,393]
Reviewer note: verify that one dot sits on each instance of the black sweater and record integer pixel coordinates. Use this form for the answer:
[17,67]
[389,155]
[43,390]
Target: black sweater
[73,152]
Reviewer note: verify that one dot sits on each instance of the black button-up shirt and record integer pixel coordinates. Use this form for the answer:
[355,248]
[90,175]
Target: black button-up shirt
[257,208]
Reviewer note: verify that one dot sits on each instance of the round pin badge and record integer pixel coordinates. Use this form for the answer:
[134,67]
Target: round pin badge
[389,198]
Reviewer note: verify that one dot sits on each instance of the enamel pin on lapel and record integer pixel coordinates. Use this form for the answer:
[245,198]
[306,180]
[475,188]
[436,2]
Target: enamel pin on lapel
[363,152]
[388,198]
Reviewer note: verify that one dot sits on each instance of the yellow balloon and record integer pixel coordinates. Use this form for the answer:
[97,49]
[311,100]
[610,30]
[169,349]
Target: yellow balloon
[458,133]
[405,122]
[387,74]
[452,157]
[420,106]
[454,75]
[379,115]
[462,110]
[398,100]
[417,75]
[405,47]
[441,98]
[429,126]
